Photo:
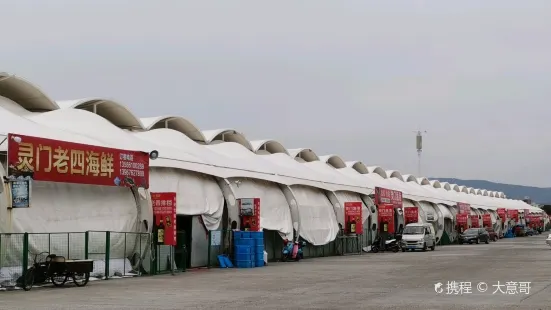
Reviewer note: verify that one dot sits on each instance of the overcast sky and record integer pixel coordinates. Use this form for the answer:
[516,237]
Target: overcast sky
[353,78]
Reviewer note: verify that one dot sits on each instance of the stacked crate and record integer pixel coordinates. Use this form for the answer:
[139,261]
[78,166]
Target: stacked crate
[248,249]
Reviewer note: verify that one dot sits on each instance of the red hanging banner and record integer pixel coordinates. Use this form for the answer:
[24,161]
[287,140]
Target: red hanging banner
[386,218]
[164,213]
[388,197]
[486,220]
[250,213]
[502,213]
[475,221]
[464,207]
[461,221]
[411,215]
[353,220]
[59,161]
[513,214]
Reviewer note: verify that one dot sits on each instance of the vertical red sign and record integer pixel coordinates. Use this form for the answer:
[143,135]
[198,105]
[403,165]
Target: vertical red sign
[411,215]
[464,207]
[386,218]
[502,213]
[487,220]
[475,223]
[388,197]
[164,212]
[250,213]
[461,220]
[353,219]
[513,214]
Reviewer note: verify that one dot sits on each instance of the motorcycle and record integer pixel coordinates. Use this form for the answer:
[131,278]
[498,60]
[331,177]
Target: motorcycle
[390,245]
[292,251]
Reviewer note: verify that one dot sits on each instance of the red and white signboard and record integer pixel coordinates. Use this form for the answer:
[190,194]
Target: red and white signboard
[513,214]
[502,213]
[353,219]
[164,212]
[50,160]
[461,221]
[487,220]
[388,197]
[475,223]
[464,207]
[386,218]
[411,215]
[250,213]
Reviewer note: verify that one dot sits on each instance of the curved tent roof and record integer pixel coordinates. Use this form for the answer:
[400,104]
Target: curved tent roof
[333,160]
[423,181]
[436,184]
[394,174]
[446,186]
[226,135]
[378,170]
[303,154]
[268,146]
[454,187]
[463,189]
[24,93]
[176,123]
[113,111]
[410,178]
[358,166]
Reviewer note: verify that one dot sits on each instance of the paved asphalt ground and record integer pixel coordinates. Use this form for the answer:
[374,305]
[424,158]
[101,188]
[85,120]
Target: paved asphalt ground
[370,281]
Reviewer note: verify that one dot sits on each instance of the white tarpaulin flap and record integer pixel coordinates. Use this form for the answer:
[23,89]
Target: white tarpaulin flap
[345,196]
[318,224]
[445,211]
[196,194]
[275,213]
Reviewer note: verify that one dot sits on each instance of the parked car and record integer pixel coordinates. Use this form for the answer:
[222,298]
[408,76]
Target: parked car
[417,236]
[492,233]
[474,235]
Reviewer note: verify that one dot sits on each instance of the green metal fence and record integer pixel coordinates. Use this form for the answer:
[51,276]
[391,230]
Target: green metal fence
[115,254]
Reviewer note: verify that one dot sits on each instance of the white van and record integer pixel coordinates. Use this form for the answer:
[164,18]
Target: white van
[418,236]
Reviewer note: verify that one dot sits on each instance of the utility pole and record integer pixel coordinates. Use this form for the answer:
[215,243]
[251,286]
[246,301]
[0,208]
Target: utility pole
[419,147]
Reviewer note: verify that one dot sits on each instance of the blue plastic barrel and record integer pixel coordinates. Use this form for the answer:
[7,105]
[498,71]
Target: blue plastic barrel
[237,235]
[258,242]
[259,262]
[259,249]
[244,264]
[257,235]
[244,241]
[245,234]
[243,256]
[242,249]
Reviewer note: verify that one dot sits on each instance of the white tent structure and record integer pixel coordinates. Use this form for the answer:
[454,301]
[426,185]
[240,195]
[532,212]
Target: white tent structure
[300,191]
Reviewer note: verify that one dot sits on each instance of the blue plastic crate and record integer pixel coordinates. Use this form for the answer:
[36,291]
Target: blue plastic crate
[244,241]
[258,242]
[259,263]
[244,264]
[243,257]
[242,249]
[245,234]
[259,249]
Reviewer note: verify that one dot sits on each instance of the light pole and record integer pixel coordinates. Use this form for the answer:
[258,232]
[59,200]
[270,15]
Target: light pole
[419,147]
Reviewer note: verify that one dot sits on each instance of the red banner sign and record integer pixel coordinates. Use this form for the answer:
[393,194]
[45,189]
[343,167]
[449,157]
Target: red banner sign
[353,219]
[526,212]
[164,212]
[464,207]
[411,215]
[475,222]
[250,213]
[461,220]
[388,197]
[502,213]
[386,218]
[513,214]
[486,220]
[59,161]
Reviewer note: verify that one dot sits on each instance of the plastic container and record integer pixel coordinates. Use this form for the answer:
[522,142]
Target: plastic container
[244,241]
[237,235]
[257,235]
[259,262]
[258,242]
[242,249]
[252,257]
[243,257]
[259,250]
[244,264]
[245,234]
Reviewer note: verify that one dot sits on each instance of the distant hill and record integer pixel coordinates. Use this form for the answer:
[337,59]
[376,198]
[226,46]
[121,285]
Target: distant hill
[540,195]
